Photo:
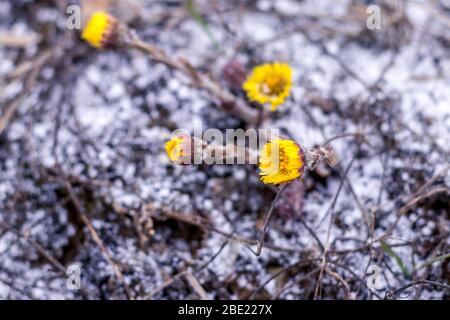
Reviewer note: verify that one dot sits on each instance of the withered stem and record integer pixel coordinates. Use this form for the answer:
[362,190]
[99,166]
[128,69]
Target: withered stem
[229,102]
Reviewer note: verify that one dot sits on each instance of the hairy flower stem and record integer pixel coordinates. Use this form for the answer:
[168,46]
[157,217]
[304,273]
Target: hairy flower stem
[229,102]
[198,151]
[316,155]
[262,237]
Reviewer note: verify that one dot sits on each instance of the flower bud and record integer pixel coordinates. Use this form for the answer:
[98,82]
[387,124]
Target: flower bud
[101,30]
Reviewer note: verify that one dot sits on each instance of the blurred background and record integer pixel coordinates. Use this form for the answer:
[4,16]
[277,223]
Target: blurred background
[87,191]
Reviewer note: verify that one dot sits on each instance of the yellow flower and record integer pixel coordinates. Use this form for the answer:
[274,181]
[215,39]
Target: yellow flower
[281,161]
[100,29]
[174,149]
[269,83]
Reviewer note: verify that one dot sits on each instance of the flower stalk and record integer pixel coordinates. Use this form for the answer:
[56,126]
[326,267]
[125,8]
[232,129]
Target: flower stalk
[102,34]
[280,161]
[232,104]
[316,155]
[187,150]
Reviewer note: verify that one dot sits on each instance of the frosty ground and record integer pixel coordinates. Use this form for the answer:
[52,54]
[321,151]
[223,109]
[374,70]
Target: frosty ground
[85,147]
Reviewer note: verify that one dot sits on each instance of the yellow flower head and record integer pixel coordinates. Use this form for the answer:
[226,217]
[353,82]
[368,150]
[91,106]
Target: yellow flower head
[100,29]
[281,161]
[174,149]
[269,83]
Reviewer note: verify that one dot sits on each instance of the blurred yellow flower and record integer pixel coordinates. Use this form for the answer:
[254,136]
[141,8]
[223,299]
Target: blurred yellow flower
[281,161]
[269,83]
[100,29]
[174,149]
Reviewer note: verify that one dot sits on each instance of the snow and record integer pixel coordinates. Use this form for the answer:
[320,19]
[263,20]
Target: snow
[123,108]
